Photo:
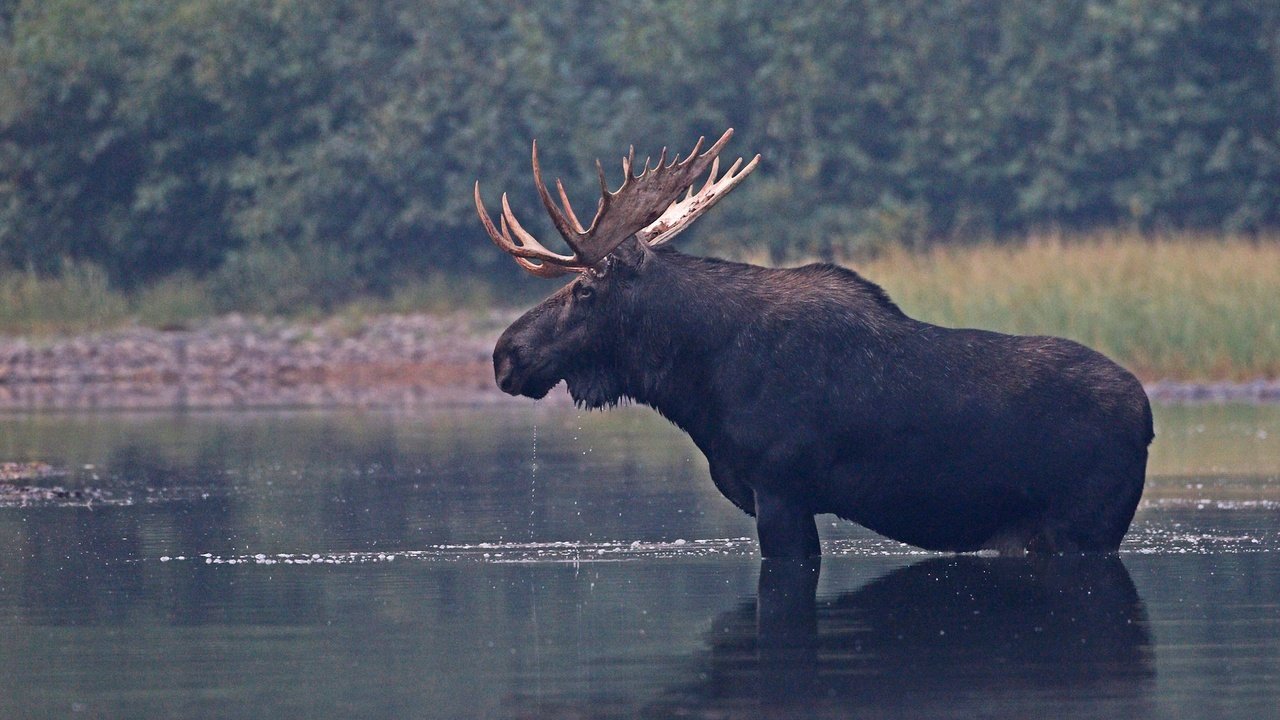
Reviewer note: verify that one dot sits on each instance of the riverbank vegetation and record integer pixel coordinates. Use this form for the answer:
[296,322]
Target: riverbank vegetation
[1181,307]
[161,163]
[1176,307]
[218,137]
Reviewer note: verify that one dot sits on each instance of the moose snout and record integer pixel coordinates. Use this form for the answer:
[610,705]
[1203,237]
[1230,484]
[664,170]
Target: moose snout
[506,377]
[509,367]
[522,362]
[504,371]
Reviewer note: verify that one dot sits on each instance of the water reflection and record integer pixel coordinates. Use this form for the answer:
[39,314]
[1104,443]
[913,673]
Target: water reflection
[448,581]
[944,637]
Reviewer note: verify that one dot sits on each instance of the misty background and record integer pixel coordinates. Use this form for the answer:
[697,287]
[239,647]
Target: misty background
[333,144]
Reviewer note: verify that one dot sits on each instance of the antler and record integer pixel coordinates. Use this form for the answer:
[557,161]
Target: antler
[647,205]
[681,214]
[528,248]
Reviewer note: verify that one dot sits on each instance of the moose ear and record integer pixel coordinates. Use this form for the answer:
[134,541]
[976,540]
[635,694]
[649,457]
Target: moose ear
[628,258]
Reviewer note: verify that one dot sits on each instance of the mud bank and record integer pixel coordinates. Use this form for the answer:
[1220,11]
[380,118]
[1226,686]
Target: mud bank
[388,361]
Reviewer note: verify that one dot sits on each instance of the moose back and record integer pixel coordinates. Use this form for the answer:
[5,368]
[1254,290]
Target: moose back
[810,391]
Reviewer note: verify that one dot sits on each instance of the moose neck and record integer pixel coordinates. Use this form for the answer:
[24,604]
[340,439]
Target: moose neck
[683,318]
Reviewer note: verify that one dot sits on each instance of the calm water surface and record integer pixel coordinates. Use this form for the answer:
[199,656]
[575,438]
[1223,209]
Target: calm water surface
[532,561]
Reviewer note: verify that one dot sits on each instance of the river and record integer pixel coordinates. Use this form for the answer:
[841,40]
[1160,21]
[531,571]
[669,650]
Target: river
[528,560]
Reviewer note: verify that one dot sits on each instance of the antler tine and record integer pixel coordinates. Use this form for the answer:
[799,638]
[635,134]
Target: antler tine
[568,208]
[693,154]
[628,164]
[714,150]
[485,221]
[711,176]
[604,184]
[549,267]
[529,246]
[568,230]
[545,269]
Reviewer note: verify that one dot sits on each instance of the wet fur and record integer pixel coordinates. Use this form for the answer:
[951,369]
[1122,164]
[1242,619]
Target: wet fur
[810,391]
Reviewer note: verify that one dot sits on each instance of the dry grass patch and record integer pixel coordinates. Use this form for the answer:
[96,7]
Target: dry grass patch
[1176,307]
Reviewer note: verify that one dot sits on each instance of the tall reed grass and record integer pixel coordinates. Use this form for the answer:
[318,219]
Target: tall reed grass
[1176,307]
[80,298]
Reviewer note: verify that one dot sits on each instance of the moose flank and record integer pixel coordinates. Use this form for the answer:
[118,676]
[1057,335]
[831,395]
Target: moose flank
[810,391]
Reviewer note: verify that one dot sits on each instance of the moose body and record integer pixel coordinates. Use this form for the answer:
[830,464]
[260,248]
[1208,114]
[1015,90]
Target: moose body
[810,391]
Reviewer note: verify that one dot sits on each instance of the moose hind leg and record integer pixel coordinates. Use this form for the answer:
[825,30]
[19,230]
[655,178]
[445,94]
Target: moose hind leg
[786,528]
[1099,513]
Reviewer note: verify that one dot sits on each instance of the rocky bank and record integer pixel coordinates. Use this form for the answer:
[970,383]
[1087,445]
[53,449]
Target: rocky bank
[387,361]
[238,362]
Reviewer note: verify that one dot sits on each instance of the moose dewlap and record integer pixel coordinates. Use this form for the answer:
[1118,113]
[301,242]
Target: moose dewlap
[810,391]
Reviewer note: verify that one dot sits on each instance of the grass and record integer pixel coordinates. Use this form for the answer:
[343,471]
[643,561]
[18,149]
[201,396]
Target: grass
[1177,307]
[79,299]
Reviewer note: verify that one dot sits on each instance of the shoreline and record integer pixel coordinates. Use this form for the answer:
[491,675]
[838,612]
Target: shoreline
[389,361]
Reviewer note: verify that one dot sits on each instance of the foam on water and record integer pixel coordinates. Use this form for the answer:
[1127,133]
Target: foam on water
[1145,538]
[498,552]
[1211,504]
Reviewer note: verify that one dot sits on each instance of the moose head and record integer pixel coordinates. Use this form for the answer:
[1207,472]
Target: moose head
[581,333]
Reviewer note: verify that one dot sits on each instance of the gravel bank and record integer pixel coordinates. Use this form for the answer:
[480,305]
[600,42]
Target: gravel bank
[237,362]
[388,361]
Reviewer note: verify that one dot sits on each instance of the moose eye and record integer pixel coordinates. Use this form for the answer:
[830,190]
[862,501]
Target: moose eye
[584,292]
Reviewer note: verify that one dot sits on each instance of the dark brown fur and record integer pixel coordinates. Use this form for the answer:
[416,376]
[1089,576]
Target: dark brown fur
[810,392]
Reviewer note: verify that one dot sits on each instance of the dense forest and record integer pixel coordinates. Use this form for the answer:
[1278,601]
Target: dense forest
[205,136]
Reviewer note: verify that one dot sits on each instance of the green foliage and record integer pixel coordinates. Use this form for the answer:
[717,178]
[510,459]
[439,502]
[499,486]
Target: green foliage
[212,136]
[283,280]
[106,143]
[176,301]
[78,299]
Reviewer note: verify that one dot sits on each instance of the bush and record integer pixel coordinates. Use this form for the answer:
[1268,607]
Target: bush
[149,138]
[283,280]
[77,298]
[172,302]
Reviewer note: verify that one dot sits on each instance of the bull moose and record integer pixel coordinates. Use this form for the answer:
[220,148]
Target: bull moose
[810,391]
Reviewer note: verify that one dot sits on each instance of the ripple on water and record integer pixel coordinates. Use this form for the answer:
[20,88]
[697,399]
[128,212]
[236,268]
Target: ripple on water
[1162,537]
[498,552]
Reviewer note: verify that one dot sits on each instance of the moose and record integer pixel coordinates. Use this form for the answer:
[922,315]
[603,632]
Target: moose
[809,391]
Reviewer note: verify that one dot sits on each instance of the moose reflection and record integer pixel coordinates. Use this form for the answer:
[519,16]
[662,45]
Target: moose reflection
[962,637]
[810,391]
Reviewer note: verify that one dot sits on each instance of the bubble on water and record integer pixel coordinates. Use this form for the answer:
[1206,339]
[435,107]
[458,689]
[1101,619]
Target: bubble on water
[505,552]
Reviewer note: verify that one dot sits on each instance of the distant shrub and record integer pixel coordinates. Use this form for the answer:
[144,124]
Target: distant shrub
[172,302]
[284,280]
[153,137]
[76,298]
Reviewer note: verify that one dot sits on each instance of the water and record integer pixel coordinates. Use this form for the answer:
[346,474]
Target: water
[346,564]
